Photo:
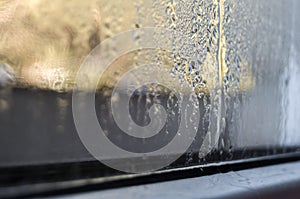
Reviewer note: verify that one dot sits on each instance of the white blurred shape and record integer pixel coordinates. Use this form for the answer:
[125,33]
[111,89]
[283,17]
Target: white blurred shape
[6,75]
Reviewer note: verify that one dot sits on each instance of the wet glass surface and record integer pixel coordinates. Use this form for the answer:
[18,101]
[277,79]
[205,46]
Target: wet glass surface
[245,77]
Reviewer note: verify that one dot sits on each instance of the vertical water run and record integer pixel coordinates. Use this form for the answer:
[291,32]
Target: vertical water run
[221,68]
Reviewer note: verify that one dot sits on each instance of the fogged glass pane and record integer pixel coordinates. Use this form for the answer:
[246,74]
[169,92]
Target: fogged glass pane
[235,61]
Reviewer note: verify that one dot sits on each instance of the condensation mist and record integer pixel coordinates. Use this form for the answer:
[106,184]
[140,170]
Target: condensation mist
[245,75]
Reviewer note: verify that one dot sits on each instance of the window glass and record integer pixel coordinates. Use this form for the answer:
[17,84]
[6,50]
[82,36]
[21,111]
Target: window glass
[224,73]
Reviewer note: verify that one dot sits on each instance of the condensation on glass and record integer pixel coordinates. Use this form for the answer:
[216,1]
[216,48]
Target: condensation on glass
[246,73]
